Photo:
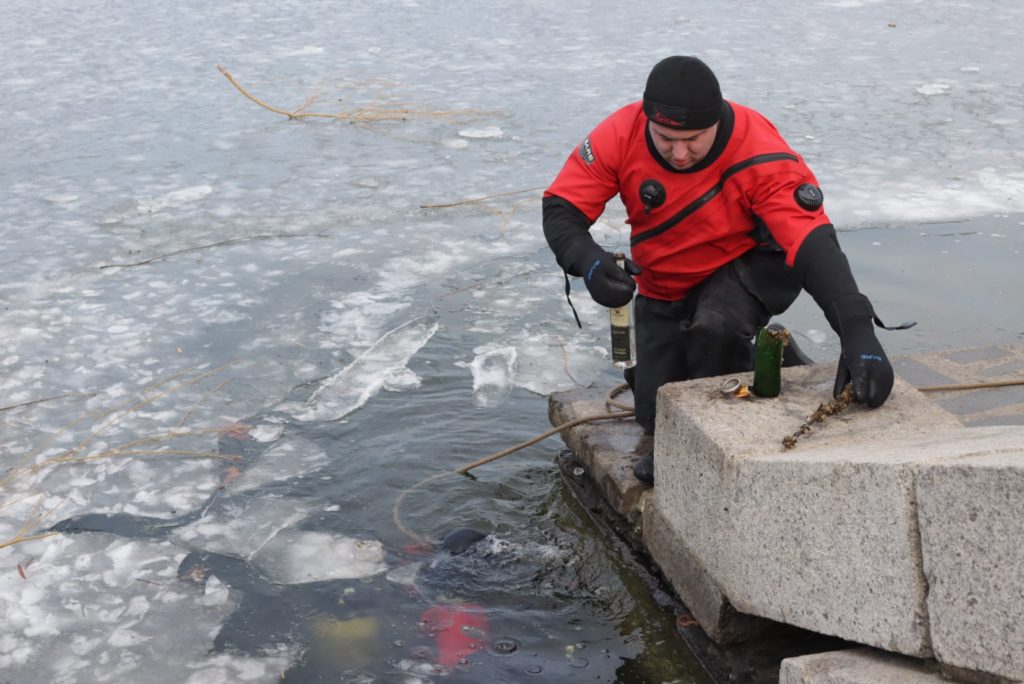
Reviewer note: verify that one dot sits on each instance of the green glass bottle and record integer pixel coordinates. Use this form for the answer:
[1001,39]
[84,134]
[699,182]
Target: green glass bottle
[768,362]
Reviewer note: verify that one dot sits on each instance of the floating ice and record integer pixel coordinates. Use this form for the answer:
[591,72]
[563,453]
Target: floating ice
[304,50]
[546,363]
[177,198]
[228,668]
[404,575]
[493,372]
[351,387]
[455,143]
[398,379]
[61,198]
[266,433]
[298,557]
[241,526]
[934,89]
[93,609]
[481,132]
[286,460]
[216,592]
[355,319]
[816,336]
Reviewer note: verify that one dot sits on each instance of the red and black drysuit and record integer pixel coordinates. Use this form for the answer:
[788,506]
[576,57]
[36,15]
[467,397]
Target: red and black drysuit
[725,244]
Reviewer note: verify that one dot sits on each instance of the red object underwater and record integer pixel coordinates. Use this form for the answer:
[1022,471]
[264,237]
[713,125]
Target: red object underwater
[459,630]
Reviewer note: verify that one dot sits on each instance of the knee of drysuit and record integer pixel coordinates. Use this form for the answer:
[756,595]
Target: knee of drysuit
[716,343]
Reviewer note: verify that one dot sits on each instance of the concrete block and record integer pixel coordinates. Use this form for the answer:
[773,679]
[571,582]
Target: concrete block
[824,536]
[697,589]
[607,449]
[972,537]
[857,666]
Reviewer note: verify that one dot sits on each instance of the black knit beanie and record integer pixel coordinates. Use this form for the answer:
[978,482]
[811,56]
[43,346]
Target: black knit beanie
[683,93]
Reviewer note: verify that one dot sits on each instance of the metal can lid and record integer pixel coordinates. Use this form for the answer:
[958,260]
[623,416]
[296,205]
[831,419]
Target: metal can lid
[730,386]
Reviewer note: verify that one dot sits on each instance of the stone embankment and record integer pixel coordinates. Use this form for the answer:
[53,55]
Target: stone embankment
[899,529]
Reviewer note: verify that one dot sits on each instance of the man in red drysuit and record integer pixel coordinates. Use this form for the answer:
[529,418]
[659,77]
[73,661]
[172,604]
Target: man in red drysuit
[727,226]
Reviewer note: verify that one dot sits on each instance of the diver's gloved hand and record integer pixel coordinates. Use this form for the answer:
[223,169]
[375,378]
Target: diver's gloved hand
[607,283]
[862,362]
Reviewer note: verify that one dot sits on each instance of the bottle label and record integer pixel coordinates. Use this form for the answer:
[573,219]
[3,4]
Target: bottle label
[620,317]
[620,344]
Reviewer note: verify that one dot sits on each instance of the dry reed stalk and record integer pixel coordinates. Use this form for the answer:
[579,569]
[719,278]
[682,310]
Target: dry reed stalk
[106,420]
[376,111]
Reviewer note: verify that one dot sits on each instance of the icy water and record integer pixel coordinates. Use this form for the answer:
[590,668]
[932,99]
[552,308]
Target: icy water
[229,340]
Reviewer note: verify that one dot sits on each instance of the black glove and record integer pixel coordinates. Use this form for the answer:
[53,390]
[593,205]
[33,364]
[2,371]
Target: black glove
[566,230]
[825,273]
[608,284]
[863,361]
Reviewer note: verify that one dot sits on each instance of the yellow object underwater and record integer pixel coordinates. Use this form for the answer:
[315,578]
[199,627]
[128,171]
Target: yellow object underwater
[345,643]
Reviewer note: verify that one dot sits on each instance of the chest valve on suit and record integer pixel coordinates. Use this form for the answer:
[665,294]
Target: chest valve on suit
[652,194]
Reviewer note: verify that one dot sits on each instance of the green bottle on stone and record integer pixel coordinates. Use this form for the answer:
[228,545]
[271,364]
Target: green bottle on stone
[768,362]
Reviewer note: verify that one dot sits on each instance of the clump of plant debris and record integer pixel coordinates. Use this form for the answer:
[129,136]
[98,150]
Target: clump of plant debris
[824,410]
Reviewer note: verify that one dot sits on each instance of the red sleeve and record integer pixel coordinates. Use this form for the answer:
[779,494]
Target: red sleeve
[590,176]
[775,202]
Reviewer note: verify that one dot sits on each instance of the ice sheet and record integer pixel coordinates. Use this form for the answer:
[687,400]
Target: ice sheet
[242,525]
[493,373]
[92,608]
[298,557]
[287,459]
[351,387]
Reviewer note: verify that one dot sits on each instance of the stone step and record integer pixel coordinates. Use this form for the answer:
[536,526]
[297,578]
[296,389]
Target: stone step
[900,528]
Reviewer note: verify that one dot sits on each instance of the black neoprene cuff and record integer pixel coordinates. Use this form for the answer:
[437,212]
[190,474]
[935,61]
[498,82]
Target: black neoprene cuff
[824,271]
[567,230]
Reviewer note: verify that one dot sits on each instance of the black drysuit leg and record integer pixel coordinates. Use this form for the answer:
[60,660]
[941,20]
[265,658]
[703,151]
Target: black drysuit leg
[709,332]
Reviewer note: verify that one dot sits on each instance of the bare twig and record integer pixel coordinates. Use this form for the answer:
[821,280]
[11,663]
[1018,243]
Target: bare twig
[199,401]
[475,200]
[565,362]
[113,416]
[116,453]
[40,401]
[135,448]
[19,539]
[222,243]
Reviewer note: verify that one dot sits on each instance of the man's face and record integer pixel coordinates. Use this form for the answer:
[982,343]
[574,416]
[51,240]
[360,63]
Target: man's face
[682,149]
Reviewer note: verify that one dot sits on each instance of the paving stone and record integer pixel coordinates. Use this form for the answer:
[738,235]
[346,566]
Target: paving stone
[918,374]
[964,403]
[1013,368]
[973,355]
[1014,418]
[858,666]
[972,538]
